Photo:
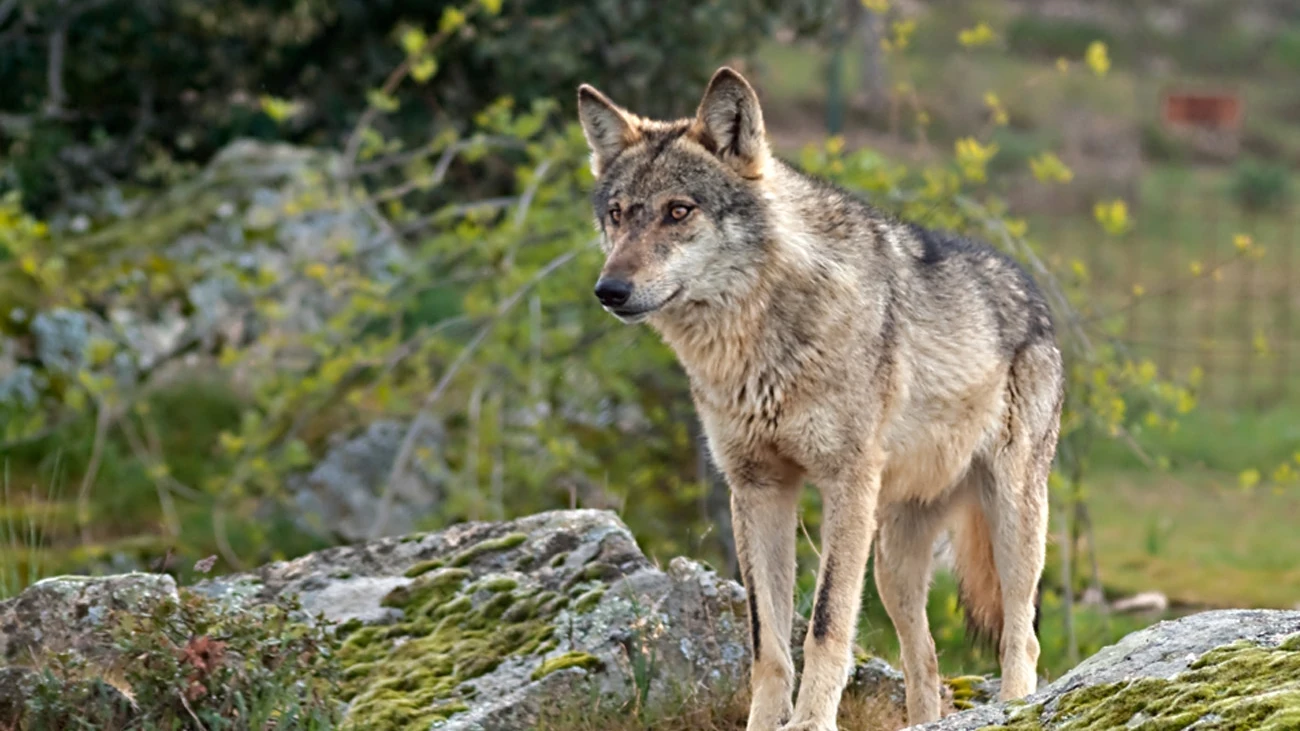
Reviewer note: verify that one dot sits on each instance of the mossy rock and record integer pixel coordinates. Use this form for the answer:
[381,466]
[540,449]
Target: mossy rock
[1228,670]
[494,625]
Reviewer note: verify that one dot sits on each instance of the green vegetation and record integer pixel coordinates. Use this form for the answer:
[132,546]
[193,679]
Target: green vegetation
[467,162]
[567,660]
[409,674]
[1242,687]
[193,660]
[1261,186]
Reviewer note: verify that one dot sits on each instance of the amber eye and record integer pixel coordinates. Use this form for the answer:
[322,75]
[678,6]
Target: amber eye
[615,215]
[679,211]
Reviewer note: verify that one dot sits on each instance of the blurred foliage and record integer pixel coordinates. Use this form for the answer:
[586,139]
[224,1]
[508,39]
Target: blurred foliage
[224,668]
[477,322]
[1260,185]
[96,88]
[1052,38]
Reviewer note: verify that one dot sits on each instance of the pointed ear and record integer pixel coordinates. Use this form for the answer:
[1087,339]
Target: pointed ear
[730,122]
[609,129]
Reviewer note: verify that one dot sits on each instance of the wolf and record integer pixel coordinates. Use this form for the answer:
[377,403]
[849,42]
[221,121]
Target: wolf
[912,375]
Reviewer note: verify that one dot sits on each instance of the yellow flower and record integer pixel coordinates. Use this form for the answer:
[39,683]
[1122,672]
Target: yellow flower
[1248,478]
[1097,58]
[1113,216]
[1241,241]
[980,35]
[1261,344]
[452,18]
[1062,65]
[278,109]
[903,30]
[876,6]
[973,158]
[1196,268]
[1047,167]
[1000,116]
[424,69]
[413,40]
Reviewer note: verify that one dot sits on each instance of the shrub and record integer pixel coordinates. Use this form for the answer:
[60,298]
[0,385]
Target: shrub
[1052,38]
[1285,51]
[1259,186]
[197,663]
[182,78]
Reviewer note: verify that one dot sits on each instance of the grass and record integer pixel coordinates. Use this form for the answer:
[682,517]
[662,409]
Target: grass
[959,654]
[39,531]
[1198,538]
[728,713]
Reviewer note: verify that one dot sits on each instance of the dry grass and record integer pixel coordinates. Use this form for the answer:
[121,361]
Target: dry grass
[857,712]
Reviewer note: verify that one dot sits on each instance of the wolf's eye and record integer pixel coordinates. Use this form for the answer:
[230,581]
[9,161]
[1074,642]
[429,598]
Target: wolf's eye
[679,211]
[615,215]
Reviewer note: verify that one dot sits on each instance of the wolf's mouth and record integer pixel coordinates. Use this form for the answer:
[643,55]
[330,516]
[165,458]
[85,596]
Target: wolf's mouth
[633,316]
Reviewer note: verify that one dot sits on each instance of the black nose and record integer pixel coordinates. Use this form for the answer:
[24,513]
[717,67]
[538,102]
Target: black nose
[613,292]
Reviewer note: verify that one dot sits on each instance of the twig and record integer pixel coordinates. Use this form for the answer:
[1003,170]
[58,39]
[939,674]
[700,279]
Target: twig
[525,202]
[425,416]
[181,694]
[444,161]
[811,543]
[103,419]
[222,539]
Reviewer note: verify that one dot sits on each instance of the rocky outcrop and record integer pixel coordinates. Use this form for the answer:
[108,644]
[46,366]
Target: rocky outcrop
[1226,669]
[67,614]
[482,627]
[559,616]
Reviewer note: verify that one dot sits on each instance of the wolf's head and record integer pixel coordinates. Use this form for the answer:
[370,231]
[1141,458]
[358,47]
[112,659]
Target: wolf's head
[678,204]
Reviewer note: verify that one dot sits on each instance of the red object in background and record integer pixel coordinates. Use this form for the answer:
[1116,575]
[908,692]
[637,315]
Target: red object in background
[1213,110]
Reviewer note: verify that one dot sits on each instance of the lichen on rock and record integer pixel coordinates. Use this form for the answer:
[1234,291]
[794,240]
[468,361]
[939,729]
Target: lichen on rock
[1228,670]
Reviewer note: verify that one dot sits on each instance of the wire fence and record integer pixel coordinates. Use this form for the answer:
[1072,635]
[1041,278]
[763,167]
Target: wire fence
[1197,282]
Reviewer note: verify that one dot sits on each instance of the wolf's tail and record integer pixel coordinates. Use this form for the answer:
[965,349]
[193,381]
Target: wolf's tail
[979,588]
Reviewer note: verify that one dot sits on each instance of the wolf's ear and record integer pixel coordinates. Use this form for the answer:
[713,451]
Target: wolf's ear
[608,128]
[730,122]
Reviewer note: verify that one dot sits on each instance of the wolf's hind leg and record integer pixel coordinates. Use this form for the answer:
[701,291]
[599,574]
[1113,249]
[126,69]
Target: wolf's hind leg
[764,518]
[904,548]
[1015,503]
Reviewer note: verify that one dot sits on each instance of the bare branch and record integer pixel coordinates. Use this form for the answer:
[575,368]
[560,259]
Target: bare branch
[425,416]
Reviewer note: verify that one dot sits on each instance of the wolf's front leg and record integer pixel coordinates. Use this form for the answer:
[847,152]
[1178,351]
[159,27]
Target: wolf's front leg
[764,519]
[848,525]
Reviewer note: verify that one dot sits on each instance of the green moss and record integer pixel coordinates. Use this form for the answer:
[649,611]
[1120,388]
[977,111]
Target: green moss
[496,584]
[964,691]
[504,543]
[583,660]
[1244,687]
[424,567]
[428,590]
[588,601]
[558,559]
[347,628]
[414,673]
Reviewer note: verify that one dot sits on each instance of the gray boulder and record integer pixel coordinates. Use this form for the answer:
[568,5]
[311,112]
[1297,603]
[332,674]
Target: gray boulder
[1226,669]
[342,495]
[499,620]
[68,613]
[505,623]
[481,627]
